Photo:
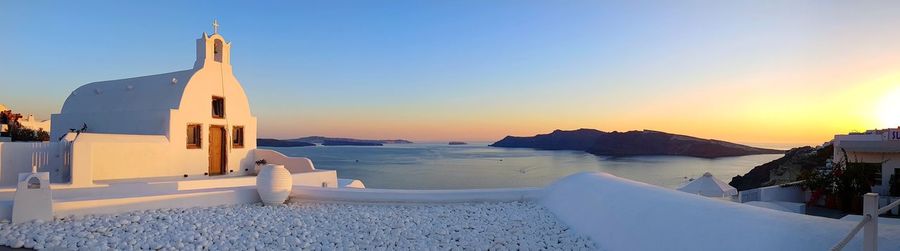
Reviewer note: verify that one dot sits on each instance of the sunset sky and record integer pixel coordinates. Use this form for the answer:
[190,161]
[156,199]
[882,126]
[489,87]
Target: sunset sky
[769,73]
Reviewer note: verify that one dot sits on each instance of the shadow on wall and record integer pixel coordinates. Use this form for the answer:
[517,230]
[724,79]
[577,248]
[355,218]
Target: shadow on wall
[18,157]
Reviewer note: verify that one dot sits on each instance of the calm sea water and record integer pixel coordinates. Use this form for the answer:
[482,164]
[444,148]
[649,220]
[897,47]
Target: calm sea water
[441,166]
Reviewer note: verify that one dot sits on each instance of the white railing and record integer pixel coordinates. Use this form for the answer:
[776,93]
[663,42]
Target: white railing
[869,223]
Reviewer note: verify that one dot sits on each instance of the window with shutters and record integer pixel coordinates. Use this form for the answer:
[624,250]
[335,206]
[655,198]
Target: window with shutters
[218,107]
[237,137]
[194,136]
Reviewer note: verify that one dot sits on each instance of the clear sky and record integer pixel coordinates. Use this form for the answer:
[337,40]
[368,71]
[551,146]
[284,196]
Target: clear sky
[757,72]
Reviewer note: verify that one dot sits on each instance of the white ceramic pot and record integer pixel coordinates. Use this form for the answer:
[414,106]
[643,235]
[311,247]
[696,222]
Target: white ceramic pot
[273,184]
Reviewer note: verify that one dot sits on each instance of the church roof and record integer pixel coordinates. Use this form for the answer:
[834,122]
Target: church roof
[154,92]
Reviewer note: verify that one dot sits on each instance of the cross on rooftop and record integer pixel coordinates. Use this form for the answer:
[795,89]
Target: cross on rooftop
[216,26]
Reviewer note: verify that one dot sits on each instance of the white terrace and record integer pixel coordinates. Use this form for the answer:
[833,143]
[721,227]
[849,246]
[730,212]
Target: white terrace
[615,213]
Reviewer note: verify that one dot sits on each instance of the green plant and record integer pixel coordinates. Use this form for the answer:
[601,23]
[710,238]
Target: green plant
[819,183]
[853,180]
[814,180]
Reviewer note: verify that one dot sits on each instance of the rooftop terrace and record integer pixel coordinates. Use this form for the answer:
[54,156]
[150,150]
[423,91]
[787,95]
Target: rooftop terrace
[309,225]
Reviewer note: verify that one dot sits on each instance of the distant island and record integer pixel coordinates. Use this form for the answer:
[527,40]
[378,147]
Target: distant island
[281,143]
[453,143]
[632,143]
[327,141]
[321,140]
[349,143]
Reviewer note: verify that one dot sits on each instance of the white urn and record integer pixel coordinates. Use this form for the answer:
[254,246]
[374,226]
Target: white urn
[273,184]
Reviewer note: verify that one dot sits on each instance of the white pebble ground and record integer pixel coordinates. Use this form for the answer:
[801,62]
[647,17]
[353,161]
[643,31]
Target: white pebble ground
[308,225]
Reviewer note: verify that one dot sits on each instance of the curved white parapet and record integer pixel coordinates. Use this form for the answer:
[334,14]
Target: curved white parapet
[416,196]
[293,164]
[621,214]
[350,183]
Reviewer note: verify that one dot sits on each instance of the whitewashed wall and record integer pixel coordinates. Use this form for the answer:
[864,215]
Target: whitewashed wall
[18,157]
[214,79]
[111,156]
[790,193]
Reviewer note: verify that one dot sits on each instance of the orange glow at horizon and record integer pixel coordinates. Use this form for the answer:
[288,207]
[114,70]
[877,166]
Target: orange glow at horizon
[791,116]
[477,71]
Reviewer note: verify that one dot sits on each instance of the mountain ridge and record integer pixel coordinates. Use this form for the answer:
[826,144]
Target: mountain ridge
[632,143]
[281,143]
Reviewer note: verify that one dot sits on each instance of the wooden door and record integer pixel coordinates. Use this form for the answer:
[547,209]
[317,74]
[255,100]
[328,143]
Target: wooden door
[217,157]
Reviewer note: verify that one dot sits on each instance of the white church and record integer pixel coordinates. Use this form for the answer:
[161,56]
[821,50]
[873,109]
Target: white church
[177,139]
[190,122]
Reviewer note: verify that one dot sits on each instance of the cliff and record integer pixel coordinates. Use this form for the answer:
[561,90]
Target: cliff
[579,140]
[632,143]
[785,169]
[636,143]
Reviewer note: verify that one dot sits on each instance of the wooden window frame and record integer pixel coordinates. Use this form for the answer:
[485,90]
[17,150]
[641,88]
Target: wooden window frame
[198,135]
[235,137]
[213,104]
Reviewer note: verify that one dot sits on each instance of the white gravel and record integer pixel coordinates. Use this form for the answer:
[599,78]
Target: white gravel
[308,225]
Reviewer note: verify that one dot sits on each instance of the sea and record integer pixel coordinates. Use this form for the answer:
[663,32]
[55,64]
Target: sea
[477,165]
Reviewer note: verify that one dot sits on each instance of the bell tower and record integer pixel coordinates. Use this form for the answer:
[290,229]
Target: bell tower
[213,49]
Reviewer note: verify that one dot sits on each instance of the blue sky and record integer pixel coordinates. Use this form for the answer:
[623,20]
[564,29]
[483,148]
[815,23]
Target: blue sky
[479,70]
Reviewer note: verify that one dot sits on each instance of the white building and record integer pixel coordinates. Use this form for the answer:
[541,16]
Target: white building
[190,122]
[878,147]
[193,125]
[178,139]
[29,122]
[32,123]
